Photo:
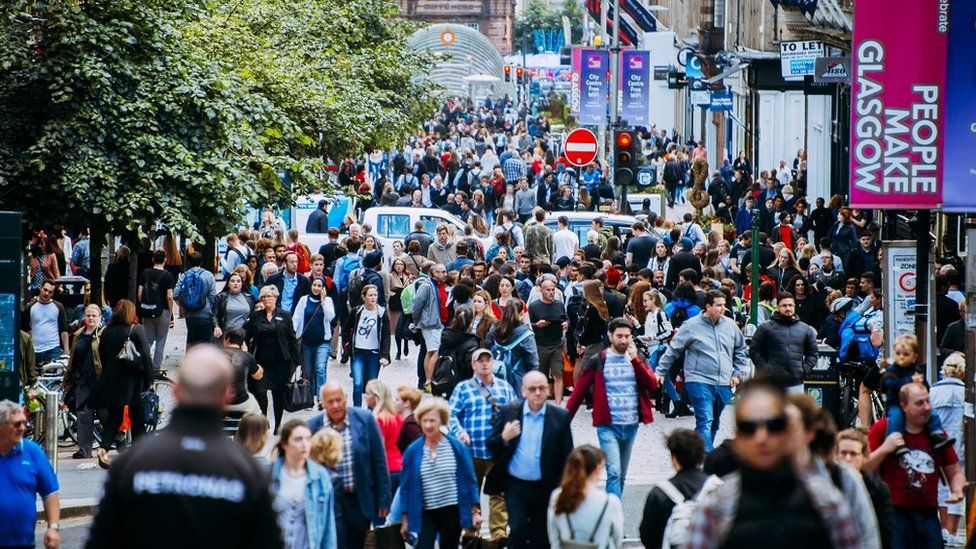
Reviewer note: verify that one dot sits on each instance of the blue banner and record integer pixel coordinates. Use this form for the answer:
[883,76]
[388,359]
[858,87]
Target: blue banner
[594,87]
[959,162]
[720,100]
[644,19]
[635,79]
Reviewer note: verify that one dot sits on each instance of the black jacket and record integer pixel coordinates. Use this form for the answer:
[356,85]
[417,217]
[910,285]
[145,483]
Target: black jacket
[352,322]
[557,443]
[425,240]
[284,331]
[196,488]
[218,307]
[881,500]
[120,383]
[785,348]
[460,345]
[303,288]
[679,262]
[658,507]
[318,222]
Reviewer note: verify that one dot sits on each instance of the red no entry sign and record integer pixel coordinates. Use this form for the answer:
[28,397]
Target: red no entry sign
[580,147]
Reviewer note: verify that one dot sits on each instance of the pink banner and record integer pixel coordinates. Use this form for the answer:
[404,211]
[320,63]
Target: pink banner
[897,105]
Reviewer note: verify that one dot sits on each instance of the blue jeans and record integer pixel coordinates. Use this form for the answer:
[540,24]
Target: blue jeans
[314,360]
[616,441]
[708,402]
[896,422]
[917,529]
[365,368]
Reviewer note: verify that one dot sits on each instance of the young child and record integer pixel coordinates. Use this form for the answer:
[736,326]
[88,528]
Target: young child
[903,370]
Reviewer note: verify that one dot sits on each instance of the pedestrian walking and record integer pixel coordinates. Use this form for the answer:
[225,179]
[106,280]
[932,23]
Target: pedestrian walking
[365,493]
[623,388]
[366,340]
[852,448]
[430,313]
[26,474]
[512,343]
[714,353]
[81,378]
[47,323]
[687,449]
[246,372]
[194,291]
[157,309]
[784,347]
[158,481]
[474,405]
[290,283]
[313,318]
[302,492]
[380,399]
[271,339]
[439,491]
[948,397]
[231,306]
[581,514]
[530,442]
[549,321]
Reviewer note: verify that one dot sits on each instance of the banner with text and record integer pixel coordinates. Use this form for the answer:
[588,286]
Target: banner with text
[897,104]
[959,162]
[594,87]
[635,78]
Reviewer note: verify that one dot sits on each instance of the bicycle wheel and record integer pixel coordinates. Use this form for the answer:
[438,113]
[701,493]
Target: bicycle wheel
[848,411]
[167,399]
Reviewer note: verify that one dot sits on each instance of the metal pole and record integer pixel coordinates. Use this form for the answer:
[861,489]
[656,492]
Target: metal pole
[969,422]
[921,287]
[52,401]
[754,267]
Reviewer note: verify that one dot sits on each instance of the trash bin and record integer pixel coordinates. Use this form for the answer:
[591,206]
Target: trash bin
[823,383]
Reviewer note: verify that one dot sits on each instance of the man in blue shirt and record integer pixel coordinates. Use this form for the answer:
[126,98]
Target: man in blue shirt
[530,441]
[291,285]
[24,473]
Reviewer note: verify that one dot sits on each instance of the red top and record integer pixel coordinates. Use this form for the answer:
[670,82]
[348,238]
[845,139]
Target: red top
[786,235]
[390,425]
[914,478]
[647,386]
[442,301]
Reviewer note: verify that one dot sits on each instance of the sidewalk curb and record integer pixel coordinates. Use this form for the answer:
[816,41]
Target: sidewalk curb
[72,508]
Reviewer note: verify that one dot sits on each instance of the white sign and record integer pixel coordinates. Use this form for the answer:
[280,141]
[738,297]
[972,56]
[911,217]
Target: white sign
[701,97]
[900,280]
[797,59]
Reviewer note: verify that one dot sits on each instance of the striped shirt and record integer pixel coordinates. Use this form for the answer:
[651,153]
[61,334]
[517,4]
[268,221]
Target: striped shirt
[438,475]
[471,412]
[344,467]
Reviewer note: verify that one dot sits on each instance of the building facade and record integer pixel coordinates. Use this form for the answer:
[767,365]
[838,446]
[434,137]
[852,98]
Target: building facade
[493,18]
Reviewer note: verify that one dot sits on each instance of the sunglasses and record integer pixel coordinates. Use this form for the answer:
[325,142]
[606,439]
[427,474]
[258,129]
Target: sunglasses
[773,426]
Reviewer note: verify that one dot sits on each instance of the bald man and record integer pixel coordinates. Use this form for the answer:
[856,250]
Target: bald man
[190,485]
[530,441]
[366,491]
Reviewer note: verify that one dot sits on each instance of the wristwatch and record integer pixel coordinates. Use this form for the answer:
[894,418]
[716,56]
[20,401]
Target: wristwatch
[55,526]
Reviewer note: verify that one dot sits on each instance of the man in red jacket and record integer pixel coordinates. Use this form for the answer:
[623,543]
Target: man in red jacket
[623,396]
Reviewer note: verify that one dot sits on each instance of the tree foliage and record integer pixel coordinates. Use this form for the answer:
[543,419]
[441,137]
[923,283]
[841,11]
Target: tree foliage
[539,16]
[117,114]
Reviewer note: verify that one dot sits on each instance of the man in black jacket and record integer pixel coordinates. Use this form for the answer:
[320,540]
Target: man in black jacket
[190,485]
[530,441]
[687,454]
[784,347]
[681,261]
[672,176]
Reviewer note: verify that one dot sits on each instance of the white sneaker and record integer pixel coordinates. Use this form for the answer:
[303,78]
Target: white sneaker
[956,541]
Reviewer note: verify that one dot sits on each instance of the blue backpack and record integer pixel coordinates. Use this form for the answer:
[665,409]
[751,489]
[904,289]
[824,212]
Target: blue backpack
[504,366]
[194,294]
[349,264]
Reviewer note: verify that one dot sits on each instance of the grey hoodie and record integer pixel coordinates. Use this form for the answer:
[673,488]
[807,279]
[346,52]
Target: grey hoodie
[714,353]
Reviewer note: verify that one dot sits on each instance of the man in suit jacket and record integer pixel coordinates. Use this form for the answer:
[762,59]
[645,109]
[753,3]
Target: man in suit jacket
[530,441]
[365,479]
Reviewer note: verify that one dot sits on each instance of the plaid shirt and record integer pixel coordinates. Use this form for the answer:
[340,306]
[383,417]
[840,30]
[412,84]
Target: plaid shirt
[514,169]
[716,513]
[344,467]
[472,414]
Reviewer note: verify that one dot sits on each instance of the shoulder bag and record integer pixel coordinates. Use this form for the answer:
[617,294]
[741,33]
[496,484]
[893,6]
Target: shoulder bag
[298,393]
[129,355]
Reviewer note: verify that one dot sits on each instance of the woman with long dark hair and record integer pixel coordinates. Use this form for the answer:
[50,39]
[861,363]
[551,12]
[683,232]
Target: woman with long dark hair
[635,301]
[174,259]
[123,376]
[399,279]
[458,342]
[589,324]
[579,510]
[506,293]
[271,339]
[232,305]
[366,341]
[808,308]
[511,333]
[661,260]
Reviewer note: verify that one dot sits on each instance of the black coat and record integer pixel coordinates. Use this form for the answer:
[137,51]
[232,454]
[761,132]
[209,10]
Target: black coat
[116,282]
[284,331]
[120,383]
[784,348]
[303,288]
[658,507]
[679,262]
[881,500]
[557,443]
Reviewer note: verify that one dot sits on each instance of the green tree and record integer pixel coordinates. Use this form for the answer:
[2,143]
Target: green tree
[538,16]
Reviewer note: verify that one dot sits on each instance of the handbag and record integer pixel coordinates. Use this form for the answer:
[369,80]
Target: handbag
[129,354]
[385,537]
[149,402]
[298,393]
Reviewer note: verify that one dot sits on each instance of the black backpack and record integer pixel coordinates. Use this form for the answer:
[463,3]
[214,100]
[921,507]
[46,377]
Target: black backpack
[151,303]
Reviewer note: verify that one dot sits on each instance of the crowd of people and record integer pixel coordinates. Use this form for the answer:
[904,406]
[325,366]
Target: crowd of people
[515,327]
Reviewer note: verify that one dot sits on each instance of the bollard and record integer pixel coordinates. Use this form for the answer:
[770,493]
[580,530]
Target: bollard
[52,402]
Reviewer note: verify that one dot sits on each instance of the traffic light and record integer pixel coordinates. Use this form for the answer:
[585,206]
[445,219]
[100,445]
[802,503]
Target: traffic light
[508,73]
[520,73]
[624,156]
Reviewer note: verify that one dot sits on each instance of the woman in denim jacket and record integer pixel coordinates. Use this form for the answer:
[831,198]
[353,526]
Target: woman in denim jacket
[302,490]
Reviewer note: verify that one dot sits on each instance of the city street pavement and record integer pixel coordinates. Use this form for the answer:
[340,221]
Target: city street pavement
[650,463]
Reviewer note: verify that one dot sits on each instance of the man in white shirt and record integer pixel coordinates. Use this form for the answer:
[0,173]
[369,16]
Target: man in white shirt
[47,323]
[565,240]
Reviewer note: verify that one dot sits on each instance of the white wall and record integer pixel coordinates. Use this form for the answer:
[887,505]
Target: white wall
[780,128]
[662,110]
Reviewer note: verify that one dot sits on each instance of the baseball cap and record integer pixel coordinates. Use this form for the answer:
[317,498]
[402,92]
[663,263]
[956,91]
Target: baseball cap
[478,352]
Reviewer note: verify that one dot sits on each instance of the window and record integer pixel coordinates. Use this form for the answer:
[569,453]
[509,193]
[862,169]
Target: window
[393,226]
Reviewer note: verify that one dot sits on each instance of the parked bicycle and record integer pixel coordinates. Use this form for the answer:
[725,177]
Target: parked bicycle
[851,376]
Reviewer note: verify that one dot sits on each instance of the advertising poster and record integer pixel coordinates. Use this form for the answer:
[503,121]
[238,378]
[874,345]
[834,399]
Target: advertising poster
[959,162]
[594,87]
[635,77]
[797,59]
[898,104]
[574,88]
